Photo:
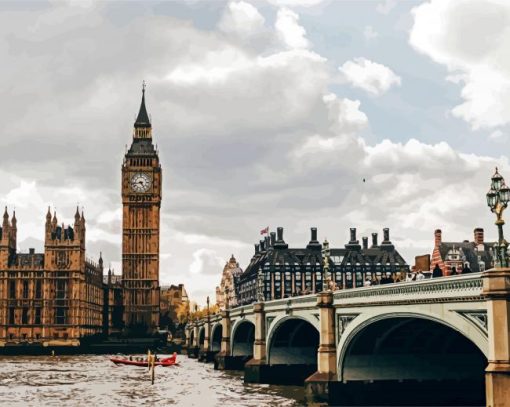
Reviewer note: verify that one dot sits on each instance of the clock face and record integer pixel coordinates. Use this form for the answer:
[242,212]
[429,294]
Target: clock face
[140,182]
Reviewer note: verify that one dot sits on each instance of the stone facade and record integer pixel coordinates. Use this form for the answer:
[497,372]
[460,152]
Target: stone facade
[230,273]
[50,298]
[277,271]
[478,254]
[172,297]
[141,201]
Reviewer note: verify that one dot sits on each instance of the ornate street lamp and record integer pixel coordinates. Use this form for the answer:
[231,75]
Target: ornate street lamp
[497,200]
[326,277]
[260,286]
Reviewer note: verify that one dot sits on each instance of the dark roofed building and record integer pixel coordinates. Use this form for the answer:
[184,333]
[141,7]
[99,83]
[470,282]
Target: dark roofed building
[478,254]
[286,272]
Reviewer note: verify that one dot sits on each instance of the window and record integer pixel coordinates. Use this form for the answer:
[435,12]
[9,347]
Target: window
[37,316]
[11,316]
[60,316]
[24,316]
[61,289]
[25,288]
[38,290]
[12,289]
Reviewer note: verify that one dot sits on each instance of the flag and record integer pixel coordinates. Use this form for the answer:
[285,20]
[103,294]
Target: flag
[264,231]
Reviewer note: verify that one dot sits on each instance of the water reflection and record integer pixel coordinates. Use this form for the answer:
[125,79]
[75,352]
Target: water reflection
[95,381]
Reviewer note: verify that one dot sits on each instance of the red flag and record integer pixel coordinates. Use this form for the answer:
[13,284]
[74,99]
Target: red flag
[264,231]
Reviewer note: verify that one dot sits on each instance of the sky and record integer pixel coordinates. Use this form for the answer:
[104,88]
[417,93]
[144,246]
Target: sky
[265,113]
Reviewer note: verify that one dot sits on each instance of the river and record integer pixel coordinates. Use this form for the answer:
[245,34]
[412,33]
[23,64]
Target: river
[88,380]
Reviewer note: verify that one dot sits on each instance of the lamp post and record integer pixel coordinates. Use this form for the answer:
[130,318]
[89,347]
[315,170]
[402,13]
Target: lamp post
[326,277]
[260,286]
[497,200]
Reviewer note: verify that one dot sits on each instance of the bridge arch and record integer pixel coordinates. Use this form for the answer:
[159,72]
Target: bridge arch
[293,340]
[243,337]
[201,336]
[191,337]
[412,355]
[216,335]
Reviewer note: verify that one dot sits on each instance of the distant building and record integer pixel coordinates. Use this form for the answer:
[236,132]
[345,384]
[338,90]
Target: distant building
[231,272]
[50,298]
[287,272]
[478,254]
[172,297]
[113,304]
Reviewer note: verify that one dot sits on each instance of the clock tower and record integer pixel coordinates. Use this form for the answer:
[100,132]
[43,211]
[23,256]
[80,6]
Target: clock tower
[141,202]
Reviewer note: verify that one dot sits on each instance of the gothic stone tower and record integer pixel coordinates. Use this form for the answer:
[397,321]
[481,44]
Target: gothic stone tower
[141,201]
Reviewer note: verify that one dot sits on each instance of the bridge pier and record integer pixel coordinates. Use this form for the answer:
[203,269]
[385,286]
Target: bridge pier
[256,369]
[193,349]
[496,287]
[222,360]
[206,355]
[317,385]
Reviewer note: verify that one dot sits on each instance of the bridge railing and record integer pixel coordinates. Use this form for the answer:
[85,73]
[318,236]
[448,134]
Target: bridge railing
[444,289]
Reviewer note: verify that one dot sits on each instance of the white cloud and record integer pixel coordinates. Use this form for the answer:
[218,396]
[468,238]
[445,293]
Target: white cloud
[241,18]
[291,33]
[471,39]
[370,76]
[369,33]
[296,3]
[206,261]
[386,6]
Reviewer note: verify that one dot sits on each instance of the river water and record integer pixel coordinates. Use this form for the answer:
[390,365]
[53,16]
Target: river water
[88,380]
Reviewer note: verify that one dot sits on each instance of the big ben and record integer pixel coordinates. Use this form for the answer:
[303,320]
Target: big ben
[141,203]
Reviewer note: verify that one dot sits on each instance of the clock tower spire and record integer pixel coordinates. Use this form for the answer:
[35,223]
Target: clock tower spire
[141,202]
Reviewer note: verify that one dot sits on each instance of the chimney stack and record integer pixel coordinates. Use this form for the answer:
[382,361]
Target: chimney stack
[256,248]
[267,242]
[437,237]
[280,234]
[313,237]
[353,236]
[273,238]
[478,236]
[280,243]
[262,245]
[365,243]
[386,233]
[374,240]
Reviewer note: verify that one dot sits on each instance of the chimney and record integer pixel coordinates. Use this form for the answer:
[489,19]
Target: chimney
[256,248]
[478,236]
[386,234]
[353,236]
[437,237]
[280,234]
[365,243]
[374,240]
[313,236]
[262,245]
[31,250]
[280,243]
[267,242]
[273,238]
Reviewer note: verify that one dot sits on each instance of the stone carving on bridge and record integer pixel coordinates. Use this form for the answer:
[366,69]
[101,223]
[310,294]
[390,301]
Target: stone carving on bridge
[477,317]
[341,323]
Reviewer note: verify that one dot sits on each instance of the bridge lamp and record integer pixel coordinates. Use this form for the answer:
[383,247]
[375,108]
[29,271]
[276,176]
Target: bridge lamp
[497,200]
[326,279]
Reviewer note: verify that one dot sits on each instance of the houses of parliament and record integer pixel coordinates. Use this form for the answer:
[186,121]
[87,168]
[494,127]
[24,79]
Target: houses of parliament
[60,297]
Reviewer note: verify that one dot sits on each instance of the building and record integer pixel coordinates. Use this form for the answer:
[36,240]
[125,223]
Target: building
[230,273]
[285,272]
[50,298]
[173,299]
[478,254]
[113,304]
[141,201]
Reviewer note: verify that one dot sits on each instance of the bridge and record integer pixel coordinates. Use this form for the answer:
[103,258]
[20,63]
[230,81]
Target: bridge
[442,341]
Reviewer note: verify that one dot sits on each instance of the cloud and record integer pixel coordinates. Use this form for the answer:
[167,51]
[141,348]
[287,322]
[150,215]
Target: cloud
[386,6]
[241,18]
[470,39]
[372,77]
[292,34]
[206,261]
[369,33]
